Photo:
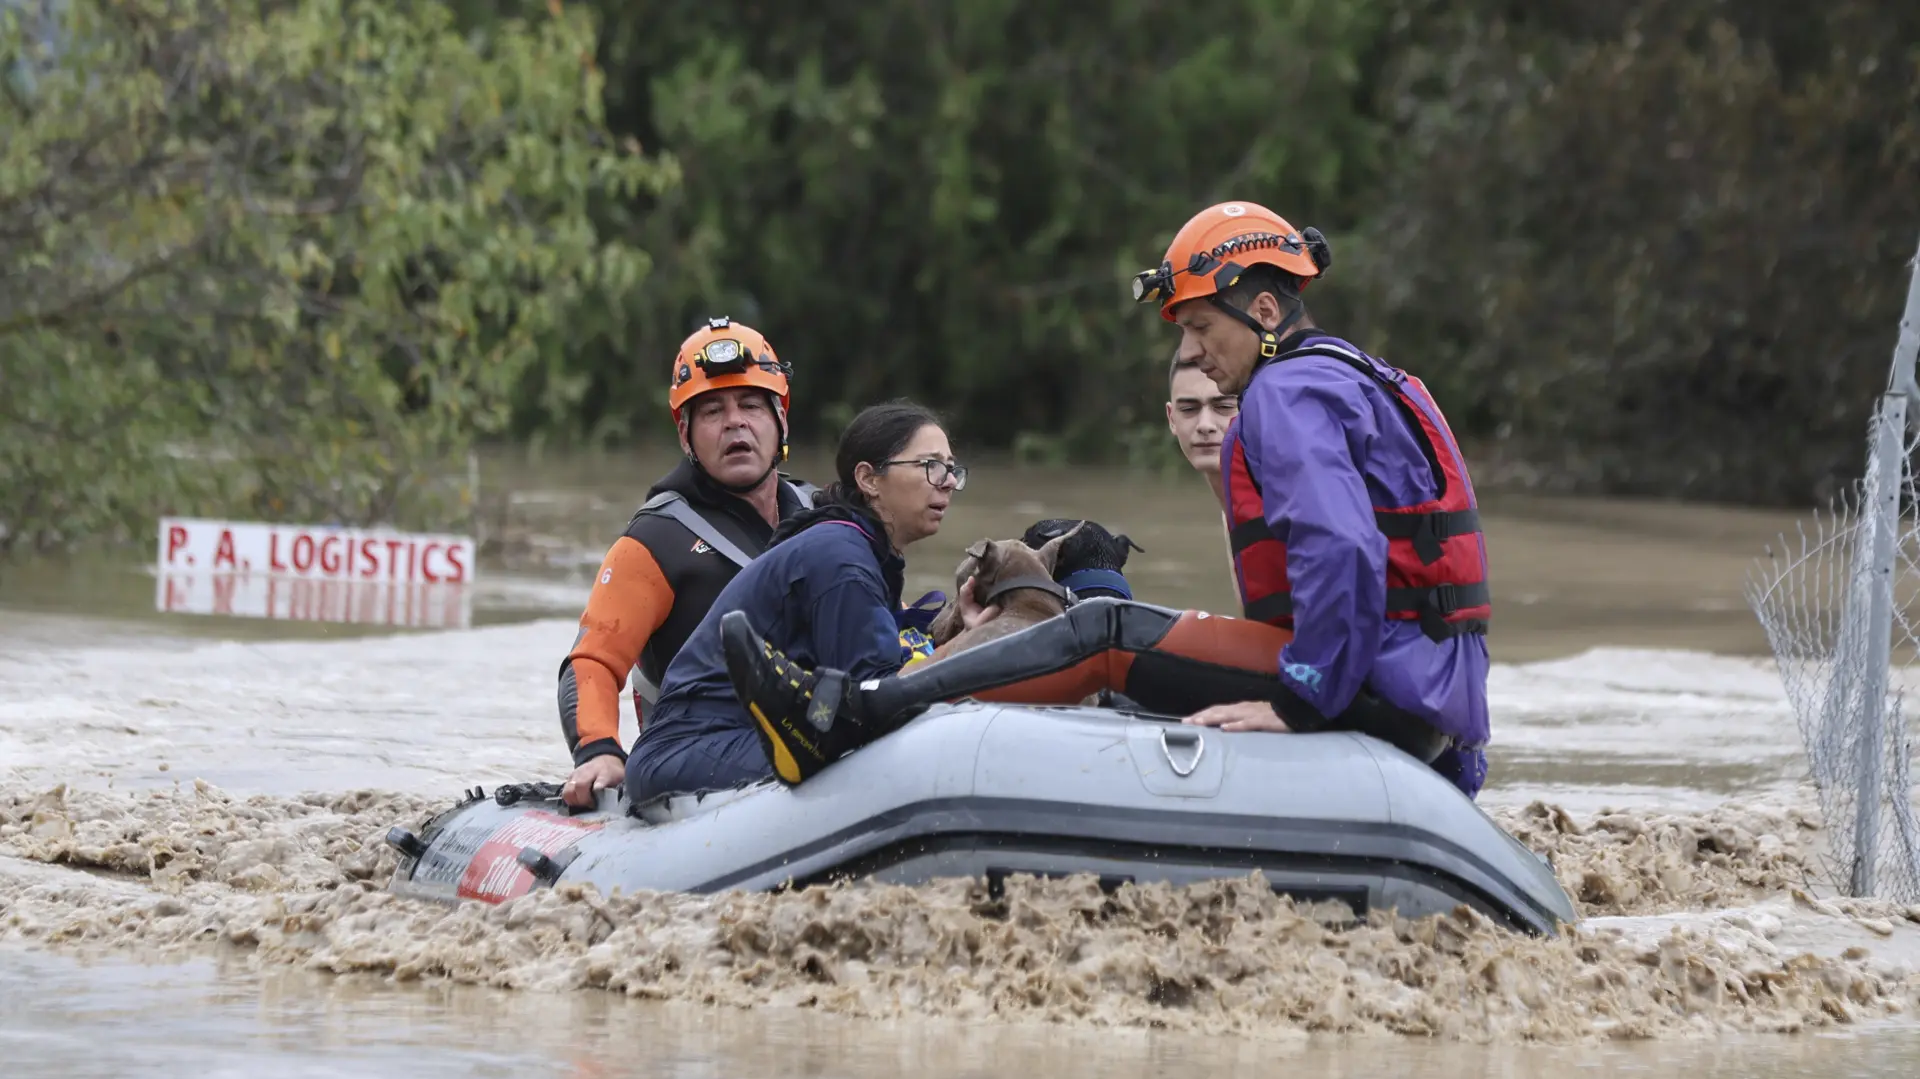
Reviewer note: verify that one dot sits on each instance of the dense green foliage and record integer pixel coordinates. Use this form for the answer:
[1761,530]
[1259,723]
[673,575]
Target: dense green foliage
[281,257]
[288,254]
[946,200]
[1654,246]
[1658,245]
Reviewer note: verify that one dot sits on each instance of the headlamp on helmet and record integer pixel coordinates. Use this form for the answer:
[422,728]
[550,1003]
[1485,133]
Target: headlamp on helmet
[1150,285]
[723,357]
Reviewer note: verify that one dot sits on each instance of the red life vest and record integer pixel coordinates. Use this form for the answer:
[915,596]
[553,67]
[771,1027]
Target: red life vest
[1436,554]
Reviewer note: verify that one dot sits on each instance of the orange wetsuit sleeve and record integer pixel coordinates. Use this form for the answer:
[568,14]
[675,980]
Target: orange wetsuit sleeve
[629,601]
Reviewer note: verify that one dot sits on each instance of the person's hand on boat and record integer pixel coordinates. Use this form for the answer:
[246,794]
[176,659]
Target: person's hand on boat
[1240,716]
[971,613]
[583,787]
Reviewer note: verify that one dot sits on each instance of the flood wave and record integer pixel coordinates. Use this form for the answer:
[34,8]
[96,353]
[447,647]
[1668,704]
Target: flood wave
[1695,924]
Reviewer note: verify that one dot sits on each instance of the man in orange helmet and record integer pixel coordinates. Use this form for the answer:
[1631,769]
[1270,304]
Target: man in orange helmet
[700,524]
[1351,517]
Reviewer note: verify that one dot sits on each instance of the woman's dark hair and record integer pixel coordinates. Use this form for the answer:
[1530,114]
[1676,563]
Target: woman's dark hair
[877,434]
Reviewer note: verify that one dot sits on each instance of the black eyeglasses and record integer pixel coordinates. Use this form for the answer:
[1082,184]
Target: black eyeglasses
[938,471]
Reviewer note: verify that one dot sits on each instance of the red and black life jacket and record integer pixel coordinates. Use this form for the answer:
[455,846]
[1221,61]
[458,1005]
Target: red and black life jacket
[1436,553]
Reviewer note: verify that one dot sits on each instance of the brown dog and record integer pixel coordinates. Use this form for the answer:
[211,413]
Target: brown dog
[1011,574]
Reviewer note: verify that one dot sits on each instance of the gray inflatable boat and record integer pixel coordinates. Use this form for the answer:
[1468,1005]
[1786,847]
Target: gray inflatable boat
[988,790]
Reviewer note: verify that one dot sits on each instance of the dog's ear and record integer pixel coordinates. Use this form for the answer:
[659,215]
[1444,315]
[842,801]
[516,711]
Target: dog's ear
[992,560]
[1050,551]
[978,563]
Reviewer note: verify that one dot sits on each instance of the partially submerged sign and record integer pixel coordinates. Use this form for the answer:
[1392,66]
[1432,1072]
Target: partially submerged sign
[308,573]
[189,544]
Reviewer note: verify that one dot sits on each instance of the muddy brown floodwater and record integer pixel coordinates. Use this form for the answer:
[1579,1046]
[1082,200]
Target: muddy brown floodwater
[191,878]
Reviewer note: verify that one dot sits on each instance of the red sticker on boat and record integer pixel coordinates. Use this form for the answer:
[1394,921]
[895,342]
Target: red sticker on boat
[495,874]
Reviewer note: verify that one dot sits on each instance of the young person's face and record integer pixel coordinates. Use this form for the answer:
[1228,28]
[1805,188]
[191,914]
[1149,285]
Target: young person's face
[1198,412]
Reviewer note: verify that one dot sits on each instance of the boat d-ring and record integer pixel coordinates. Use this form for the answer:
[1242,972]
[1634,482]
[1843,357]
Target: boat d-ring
[1169,735]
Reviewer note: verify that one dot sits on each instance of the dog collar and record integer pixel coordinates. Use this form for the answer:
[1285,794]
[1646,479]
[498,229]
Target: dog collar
[1014,584]
[1083,580]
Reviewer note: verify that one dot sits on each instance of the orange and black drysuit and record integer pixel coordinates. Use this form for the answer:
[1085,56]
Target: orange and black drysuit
[655,584]
[1165,661]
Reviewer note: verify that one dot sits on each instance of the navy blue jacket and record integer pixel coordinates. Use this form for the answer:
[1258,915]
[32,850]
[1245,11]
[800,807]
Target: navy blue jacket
[826,592]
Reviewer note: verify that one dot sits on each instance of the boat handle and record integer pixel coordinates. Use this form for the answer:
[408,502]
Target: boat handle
[1169,735]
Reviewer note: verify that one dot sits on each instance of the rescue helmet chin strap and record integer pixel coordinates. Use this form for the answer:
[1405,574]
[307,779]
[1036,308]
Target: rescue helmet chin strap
[1269,339]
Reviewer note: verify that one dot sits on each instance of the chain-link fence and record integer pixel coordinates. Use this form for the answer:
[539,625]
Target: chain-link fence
[1840,603]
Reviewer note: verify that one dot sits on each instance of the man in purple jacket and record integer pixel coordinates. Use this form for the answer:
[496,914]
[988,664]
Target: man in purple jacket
[1352,519]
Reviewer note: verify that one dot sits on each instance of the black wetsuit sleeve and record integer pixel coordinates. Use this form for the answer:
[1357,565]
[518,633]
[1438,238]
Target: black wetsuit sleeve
[1367,715]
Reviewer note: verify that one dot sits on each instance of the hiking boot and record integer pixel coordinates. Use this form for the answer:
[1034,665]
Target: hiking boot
[796,712]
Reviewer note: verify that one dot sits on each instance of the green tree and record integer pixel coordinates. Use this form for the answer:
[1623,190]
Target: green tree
[1655,247]
[947,200]
[284,257]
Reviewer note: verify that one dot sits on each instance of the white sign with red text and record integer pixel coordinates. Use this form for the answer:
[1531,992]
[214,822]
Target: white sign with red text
[339,554]
[304,573]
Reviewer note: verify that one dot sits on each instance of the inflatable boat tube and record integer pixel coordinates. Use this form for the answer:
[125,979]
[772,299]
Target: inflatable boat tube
[990,790]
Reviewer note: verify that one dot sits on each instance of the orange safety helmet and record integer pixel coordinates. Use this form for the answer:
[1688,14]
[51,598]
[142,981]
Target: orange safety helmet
[1220,243]
[723,354]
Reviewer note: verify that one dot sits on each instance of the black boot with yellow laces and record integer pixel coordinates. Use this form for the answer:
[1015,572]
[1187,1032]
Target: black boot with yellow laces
[800,715]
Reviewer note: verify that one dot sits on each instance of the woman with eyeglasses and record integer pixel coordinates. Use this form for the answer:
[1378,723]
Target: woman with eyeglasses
[827,589]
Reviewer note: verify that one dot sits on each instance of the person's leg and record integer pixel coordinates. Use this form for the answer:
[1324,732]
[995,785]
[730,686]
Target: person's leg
[1170,662]
[716,762]
[1464,768]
